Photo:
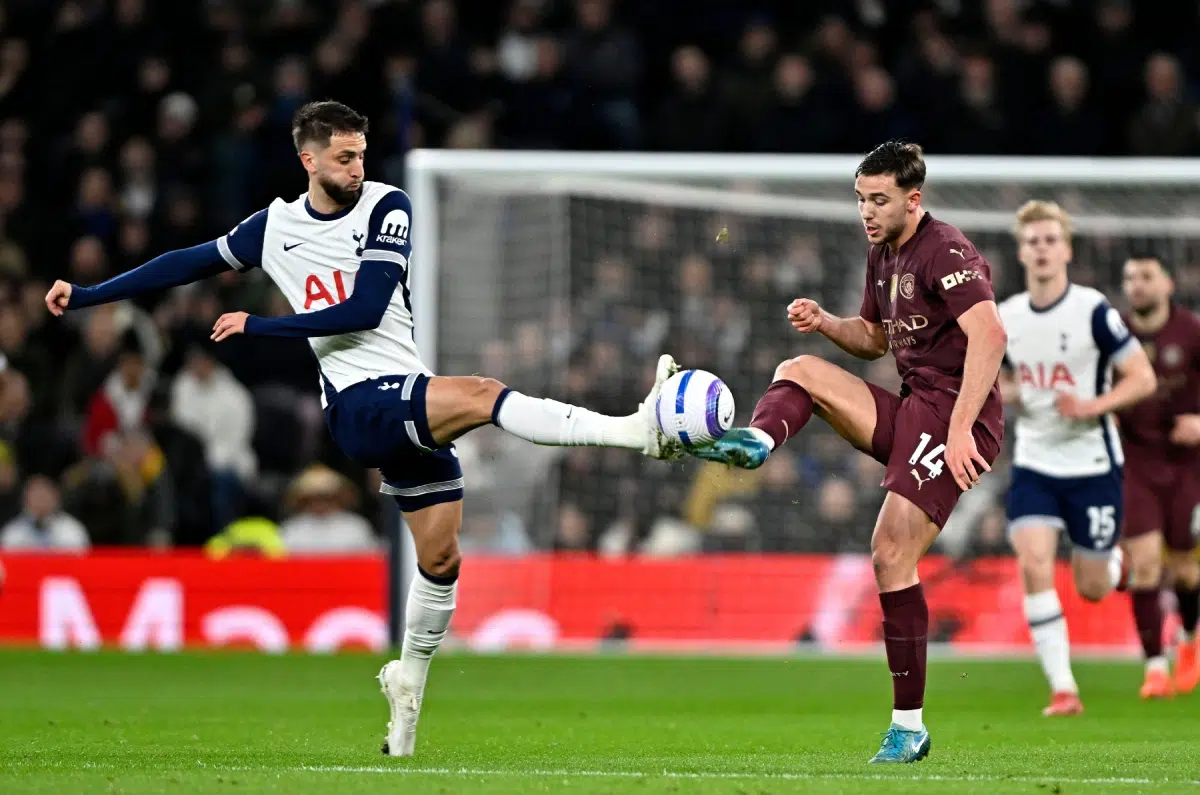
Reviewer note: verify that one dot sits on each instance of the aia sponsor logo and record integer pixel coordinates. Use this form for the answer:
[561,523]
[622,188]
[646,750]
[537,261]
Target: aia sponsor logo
[1045,376]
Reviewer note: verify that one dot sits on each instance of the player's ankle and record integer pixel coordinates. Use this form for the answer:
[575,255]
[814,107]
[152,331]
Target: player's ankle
[763,437]
[908,719]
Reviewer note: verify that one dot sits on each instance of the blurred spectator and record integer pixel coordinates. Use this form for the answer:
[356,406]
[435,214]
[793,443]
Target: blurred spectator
[319,502]
[120,404]
[125,492]
[208,402]
[746,89]
[42,525]
[1070,127]
[796,118]
[692,118]
[603,63]
[1167,122]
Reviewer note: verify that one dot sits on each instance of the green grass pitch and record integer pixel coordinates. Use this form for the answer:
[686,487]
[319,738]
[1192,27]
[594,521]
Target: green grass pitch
[242,723]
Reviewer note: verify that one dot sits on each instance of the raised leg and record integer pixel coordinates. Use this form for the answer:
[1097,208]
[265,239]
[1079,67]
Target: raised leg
[457,405]
[803,386]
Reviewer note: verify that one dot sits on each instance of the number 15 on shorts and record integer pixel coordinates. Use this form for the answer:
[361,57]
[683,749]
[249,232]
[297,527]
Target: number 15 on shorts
[1102,523]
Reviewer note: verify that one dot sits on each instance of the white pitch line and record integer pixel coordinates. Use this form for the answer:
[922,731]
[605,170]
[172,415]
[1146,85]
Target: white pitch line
[715,775]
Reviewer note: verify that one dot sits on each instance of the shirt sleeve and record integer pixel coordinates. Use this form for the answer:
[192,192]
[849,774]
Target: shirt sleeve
[388,230]
[242,247]
[869,310]
[1112,336]
[961,276]
[175,268]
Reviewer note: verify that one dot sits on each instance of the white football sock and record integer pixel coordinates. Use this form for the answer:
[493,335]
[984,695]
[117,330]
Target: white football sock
[1049,629]
[1116,565]
[908,719]
[548,422]
[764,437]
[1158,663]
[426,617]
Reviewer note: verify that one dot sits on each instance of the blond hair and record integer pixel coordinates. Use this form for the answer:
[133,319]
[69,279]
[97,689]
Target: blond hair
[1039,210]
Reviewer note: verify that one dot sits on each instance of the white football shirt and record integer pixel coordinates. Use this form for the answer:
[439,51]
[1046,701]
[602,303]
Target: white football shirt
[1069,346]
[313,258]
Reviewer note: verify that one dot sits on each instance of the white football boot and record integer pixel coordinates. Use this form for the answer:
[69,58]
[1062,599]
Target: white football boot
[658,444]
[405,706]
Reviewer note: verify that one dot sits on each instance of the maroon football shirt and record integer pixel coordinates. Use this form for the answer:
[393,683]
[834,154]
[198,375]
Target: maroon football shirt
[917,294]
[1146,426]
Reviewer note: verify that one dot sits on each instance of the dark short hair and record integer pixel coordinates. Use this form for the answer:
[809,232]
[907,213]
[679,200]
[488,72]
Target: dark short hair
[903,160]
[319,121]
[1142,255]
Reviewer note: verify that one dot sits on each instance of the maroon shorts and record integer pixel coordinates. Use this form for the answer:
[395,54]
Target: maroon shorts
[1169,502]
[910,438]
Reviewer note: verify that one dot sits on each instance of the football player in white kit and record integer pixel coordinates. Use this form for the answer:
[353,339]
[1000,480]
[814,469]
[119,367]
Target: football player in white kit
[341,255]
[1064,343]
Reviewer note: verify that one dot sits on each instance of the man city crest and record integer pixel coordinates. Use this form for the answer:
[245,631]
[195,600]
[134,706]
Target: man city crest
[906,285]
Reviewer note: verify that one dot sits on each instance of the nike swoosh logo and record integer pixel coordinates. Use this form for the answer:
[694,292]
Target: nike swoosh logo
[286,247]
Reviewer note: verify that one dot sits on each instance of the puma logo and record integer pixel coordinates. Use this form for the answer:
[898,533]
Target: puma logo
[920,482]
[959,252]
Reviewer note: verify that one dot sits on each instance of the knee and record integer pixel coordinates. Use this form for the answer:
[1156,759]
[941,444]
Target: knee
[484,389]
[1146,570]
[799,370]
[890,561]
[1185,570]
[443,561]
[1037,572]
[1093,589]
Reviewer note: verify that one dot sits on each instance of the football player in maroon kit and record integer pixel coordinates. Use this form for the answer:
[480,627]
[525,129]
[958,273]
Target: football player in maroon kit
[928,298]
[1161,438]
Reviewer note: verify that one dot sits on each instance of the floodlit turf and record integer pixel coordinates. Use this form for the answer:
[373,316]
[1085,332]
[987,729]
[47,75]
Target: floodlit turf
[229,723]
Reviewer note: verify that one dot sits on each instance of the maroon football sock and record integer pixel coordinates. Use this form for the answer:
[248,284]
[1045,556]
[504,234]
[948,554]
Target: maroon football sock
[1148,616]
[906,637]
[1189,607]
[782,411]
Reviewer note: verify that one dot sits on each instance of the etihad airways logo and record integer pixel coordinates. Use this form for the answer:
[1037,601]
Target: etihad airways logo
[905,325]
[900,330]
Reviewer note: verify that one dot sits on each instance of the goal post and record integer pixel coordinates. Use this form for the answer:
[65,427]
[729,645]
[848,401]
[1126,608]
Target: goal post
[565,274]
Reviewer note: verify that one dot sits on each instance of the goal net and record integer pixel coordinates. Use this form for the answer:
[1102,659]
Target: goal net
[566,275]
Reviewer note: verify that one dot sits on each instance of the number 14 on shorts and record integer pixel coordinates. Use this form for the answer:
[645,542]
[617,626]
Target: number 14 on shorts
[932,460]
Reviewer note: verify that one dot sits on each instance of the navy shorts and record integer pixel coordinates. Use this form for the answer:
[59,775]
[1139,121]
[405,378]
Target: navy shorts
[1090,509]
[381,423]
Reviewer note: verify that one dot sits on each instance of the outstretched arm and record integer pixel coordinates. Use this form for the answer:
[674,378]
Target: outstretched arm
[364,309]
[240,249]
[183,266]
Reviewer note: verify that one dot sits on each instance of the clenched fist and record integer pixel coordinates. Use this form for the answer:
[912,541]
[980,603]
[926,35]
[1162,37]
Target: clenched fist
[58,298]
[805,315]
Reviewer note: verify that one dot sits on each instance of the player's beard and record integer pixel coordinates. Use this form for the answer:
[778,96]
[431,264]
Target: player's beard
[1146,310]
[892,233]
[343,197]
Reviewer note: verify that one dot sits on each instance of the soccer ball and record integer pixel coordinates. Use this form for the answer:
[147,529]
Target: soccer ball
[694,407]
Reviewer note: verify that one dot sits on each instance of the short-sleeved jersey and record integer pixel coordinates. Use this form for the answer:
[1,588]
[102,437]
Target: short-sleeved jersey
[313,258]
[1146,426]
[917,293]
[1070,346]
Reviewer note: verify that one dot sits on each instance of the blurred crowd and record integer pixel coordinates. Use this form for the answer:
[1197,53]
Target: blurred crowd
[128,128]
